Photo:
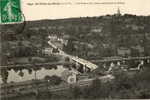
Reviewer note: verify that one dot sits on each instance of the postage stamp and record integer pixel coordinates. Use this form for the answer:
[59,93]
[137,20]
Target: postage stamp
[10,11]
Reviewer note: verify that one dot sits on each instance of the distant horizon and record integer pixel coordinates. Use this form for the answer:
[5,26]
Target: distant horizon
[40,12]
[88,17]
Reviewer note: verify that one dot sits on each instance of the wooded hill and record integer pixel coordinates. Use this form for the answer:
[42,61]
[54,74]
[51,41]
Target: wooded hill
[87,36]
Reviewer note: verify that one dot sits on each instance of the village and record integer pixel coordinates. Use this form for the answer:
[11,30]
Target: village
[90,57]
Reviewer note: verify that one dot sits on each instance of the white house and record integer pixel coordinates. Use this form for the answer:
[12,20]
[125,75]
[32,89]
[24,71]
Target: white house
[70,76]
[48,51]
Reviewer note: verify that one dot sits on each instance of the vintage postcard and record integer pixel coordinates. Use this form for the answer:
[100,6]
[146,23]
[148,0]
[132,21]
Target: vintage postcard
[74,49]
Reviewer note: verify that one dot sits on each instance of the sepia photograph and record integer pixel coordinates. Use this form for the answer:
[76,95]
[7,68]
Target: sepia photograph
[74,49]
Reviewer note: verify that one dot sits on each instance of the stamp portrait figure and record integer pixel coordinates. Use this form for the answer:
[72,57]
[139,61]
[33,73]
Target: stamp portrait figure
[8,8]
[10,11]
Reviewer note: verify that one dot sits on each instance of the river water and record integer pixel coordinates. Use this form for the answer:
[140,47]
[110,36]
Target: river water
[40,74]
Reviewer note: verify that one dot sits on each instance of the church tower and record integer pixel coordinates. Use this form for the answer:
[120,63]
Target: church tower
[118,12]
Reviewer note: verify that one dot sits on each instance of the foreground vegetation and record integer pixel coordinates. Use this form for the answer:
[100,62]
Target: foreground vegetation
[124,86]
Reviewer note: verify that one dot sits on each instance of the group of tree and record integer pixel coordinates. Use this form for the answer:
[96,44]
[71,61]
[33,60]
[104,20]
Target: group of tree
[124,86]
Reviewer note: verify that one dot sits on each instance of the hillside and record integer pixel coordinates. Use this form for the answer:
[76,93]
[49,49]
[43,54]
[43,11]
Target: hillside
[88,37]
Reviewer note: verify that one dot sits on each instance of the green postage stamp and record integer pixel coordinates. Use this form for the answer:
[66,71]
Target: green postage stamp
[10,11]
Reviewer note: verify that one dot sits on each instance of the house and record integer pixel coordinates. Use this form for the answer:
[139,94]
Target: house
[92,53]
[58,44]
[123,51]
[96,30]
[82,76]
[105,45]
[11,35]
[65,36]
[52,37]
[139,49]
[70,76]
[34,28]
[134,27]
[47,51]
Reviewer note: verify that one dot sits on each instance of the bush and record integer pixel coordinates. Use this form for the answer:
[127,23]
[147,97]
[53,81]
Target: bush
[53,80]
[76,92]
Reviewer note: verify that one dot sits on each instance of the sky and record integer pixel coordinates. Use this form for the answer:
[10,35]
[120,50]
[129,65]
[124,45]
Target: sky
[37,12]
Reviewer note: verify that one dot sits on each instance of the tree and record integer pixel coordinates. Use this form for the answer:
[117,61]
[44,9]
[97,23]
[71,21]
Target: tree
[67,59]
[30,71]
[94,90]
[53,80]
[134,53]
[4,73]
[122,80]
[76,92]
[21,73]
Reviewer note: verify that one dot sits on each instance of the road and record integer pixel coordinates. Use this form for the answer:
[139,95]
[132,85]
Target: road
[84,62]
